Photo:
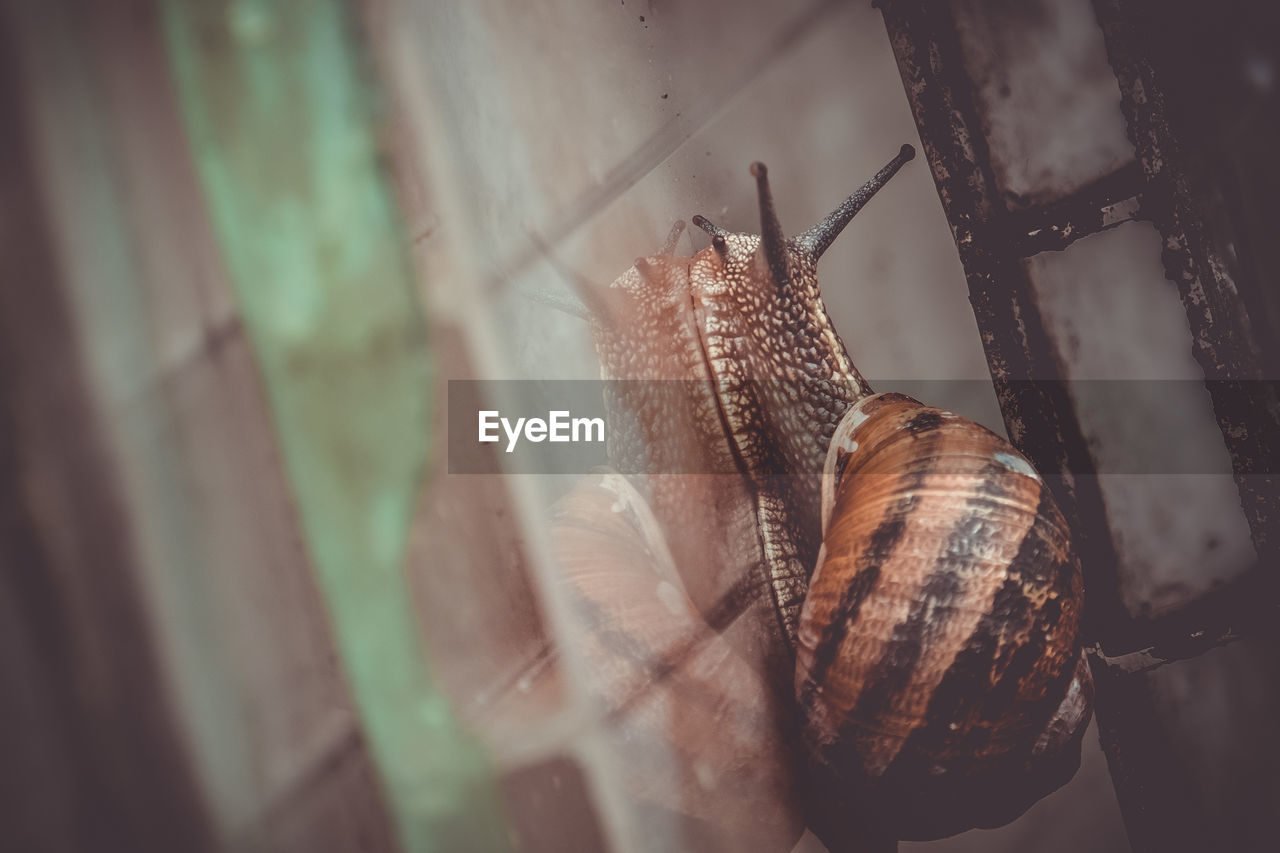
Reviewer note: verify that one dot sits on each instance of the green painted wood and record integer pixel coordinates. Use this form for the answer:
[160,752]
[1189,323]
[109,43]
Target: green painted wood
[279,118]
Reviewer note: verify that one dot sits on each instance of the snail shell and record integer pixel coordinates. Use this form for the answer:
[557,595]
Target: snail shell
[938,668]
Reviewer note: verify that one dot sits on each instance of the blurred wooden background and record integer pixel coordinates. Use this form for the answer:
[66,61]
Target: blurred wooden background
[243,606]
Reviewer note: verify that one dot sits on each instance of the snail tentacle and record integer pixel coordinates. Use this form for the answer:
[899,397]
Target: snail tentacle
[819,238]
[771,236]
[710,227]
[673,237]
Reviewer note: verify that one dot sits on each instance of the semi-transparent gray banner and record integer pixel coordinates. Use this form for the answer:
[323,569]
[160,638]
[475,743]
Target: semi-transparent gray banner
[676,427]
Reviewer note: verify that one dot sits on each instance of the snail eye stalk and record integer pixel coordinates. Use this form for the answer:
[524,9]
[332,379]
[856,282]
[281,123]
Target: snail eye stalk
[819,238]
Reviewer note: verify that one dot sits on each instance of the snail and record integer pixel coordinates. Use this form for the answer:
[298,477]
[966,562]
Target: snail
[901,575]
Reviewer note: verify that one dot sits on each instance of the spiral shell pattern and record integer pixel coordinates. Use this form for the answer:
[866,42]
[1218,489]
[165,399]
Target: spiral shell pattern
[939,636]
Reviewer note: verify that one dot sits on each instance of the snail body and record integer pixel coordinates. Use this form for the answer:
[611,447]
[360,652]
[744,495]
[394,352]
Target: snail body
[902,576]
[685,419]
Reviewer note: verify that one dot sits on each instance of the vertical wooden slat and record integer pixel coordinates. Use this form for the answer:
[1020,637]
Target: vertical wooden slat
[1223,341]
[1039,413]
[243,640]
[1037,409]
[278,115]
[93,752]
[1157,796]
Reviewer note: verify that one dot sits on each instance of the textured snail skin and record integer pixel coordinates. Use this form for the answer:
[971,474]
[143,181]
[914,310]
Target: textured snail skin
[782,375]
[776,370]
[938,668]
[667,427]
[765,380]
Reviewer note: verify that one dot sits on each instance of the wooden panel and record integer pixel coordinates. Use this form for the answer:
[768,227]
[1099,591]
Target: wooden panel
[241,633]
[93,754]
[278,109]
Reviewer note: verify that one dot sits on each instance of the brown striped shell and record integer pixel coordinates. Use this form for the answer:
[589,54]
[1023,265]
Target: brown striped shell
[938,668]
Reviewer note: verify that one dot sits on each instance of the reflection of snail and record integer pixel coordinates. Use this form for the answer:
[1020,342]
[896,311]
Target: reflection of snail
[901,574]
[689,718]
